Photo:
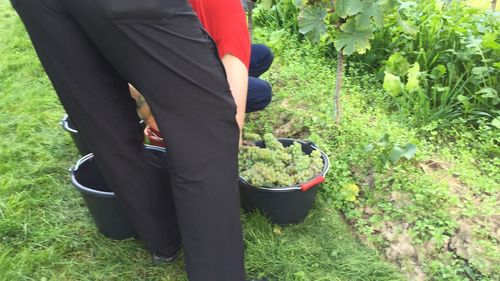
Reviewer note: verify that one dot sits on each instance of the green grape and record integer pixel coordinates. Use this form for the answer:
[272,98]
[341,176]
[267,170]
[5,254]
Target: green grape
[251,137]
[272,143]
[275,165]
[296,151]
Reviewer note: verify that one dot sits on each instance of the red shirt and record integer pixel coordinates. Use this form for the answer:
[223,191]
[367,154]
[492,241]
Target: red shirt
[225,21]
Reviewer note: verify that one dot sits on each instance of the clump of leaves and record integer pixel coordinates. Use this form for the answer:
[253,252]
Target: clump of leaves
[349,192]
[389,151]
[454,69]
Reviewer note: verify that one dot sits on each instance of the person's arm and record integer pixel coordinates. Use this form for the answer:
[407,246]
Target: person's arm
[237,77]
[143,108]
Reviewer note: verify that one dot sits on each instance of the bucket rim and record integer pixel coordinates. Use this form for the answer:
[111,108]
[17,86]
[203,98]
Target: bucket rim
[94,192]
[297,187]
[65,125]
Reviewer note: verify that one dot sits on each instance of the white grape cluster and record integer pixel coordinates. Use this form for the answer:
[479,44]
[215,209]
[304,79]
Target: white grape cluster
[278,166]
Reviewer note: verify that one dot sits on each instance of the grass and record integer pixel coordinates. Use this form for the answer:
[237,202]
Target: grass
[434,217]
[46,232]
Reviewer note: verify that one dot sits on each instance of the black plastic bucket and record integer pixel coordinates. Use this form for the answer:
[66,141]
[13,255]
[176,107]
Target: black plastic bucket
[69,127]
[284,205]
[101,201]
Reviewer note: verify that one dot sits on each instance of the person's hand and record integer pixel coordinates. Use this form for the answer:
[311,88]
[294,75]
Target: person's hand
[147,116]
[145,113]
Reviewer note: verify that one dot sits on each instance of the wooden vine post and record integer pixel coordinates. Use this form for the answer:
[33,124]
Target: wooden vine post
[249,7]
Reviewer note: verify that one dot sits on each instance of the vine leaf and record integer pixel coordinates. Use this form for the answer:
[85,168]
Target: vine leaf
[410,151]
[352,39]
[312,22]
[407,152]
[375,12]
[345,8]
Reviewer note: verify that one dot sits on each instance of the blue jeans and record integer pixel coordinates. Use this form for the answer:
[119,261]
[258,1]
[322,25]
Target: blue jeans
[259,91]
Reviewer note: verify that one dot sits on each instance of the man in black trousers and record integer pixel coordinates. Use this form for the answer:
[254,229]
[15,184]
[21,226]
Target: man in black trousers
[90,50]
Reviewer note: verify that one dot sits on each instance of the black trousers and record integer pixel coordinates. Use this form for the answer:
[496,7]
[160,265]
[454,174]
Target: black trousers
[90,50]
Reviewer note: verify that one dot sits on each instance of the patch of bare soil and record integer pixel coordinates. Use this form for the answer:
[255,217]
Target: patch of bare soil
[292,129]
[434,165]
[472,241]
[476,236]
[405,255]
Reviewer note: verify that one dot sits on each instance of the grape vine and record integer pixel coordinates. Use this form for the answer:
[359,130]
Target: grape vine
[350,24]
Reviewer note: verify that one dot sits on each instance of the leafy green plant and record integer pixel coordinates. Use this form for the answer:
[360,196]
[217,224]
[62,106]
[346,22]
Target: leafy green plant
[405,83]
[456,50]
[277,14]
[385,150]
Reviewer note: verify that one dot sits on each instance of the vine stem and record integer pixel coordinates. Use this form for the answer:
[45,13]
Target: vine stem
[340,71]
[338,87]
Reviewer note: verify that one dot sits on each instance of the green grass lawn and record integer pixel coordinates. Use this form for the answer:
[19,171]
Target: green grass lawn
[434,217]
[46,232]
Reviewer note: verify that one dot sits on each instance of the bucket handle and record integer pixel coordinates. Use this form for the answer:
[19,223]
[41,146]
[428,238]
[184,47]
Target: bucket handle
[308,185]
[79,162]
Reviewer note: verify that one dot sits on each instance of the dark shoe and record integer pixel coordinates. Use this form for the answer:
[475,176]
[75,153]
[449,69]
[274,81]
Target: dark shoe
[165,256]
